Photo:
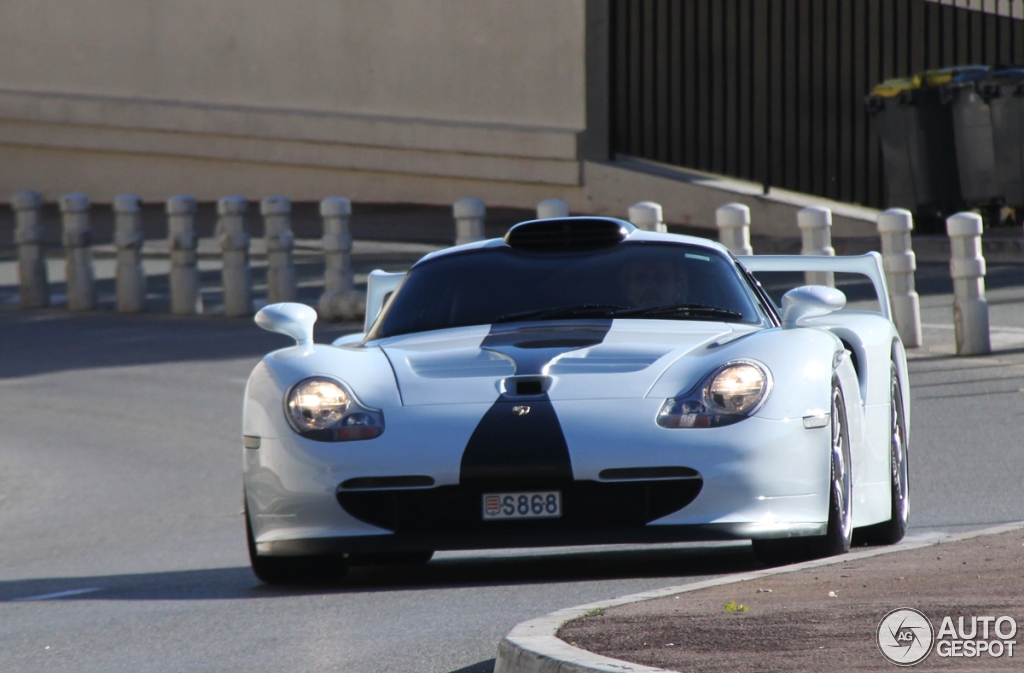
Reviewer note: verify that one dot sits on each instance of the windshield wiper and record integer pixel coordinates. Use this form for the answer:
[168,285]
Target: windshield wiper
[699,311]
[575,311]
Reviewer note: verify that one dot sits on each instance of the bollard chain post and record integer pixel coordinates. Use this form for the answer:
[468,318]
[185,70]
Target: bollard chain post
[340,300]
[181,235]
[967,267]
[277,231]
[899,262]
[647,215]
[733,221]
[816,231]
[469,220]
[77,239]
[128,239]
[28,236]
[552,208]
[234,246]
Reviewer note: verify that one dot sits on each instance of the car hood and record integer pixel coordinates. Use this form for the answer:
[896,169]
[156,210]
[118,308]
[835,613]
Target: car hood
[594,359]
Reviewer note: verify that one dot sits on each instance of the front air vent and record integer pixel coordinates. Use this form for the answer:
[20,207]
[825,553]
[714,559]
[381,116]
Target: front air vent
[526,385]
[635,473]
[568,234]
[373,483]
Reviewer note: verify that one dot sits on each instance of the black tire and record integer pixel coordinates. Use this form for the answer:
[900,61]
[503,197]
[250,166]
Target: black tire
[393,558]
[893,530]
[839,532]
[323,569]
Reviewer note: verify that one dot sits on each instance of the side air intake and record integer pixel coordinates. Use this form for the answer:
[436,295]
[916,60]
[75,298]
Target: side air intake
[566,234]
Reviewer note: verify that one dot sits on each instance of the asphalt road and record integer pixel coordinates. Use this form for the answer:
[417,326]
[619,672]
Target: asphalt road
[122,545]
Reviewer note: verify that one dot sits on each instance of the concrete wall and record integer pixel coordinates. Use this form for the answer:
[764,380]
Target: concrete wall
[161,92]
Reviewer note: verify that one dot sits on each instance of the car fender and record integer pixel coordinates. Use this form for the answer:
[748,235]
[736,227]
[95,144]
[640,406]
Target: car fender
[366,371]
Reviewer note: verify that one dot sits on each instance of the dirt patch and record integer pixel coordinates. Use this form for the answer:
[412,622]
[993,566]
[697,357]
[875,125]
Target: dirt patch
[821,619]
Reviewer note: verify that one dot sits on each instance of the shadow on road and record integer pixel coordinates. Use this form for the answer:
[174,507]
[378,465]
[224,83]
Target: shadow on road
[53,340]
[441,573]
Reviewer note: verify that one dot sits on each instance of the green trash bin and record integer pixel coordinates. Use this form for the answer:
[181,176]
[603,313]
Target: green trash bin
[905,160]
[973,136]
[1004,90]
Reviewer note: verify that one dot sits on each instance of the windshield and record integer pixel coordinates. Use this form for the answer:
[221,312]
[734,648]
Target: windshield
[662,281]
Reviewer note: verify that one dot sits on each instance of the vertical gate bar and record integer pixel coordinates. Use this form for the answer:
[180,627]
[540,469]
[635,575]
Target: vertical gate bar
[620,48]
[805,103]
[990,38]
[976,21]
[760,100]
[730,87]
[952,34]
[920,29]
[830,32]
[1005,39]
[869,194]
[860,84]
[846,99]
[635,79]
[745,92]
[690,105]
[676,74]
[647,74]
[663,79]
[789,147]
[1018,41]
[776,146]
[703,102]
[818,92]
[716,87]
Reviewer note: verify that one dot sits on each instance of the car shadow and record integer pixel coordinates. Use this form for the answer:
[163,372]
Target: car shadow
[675,564]
[55,340]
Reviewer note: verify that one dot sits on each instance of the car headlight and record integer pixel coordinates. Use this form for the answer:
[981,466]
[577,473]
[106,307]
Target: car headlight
[322,409]
[729,394]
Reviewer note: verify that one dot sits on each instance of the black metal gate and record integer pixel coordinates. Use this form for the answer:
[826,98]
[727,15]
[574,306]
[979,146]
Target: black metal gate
[773,90]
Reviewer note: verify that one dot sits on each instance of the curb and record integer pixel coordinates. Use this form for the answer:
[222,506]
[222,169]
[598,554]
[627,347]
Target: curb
[532,646]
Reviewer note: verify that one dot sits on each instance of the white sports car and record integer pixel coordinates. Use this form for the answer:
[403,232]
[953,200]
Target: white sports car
[578,382]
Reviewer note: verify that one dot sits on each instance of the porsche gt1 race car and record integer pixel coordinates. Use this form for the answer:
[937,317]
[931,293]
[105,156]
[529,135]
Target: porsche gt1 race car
[578,382]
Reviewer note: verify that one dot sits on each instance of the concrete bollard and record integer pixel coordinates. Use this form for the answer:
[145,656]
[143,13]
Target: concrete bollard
[181,235]
[816,230]
[128,238]
[898,258]
[646,215]
[733,220]
[28,236]
[340,300]
[967,266]
[552,208]
[277,230]
[234,246]
[469,220]
[77,237]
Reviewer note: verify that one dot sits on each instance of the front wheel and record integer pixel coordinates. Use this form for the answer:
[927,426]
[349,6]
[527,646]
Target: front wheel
[839,532]
[319,569]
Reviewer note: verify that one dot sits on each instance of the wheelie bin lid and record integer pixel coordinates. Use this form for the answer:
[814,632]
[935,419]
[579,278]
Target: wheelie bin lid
[955,75]
[891,88]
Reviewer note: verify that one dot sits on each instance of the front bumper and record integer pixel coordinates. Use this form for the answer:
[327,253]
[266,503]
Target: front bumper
[758,479]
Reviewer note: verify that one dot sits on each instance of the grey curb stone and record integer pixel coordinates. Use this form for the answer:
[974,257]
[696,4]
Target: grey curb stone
[531,646]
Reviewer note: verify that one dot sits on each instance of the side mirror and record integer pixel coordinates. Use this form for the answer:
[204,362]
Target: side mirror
[290,319]
[809,301]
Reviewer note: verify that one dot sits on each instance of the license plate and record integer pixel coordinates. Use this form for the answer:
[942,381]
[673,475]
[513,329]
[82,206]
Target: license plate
[533,505]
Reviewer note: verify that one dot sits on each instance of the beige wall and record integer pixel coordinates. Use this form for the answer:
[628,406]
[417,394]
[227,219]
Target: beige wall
[484,90]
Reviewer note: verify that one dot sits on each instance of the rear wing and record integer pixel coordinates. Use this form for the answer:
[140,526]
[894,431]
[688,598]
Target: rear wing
[378,286]
[869,264]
